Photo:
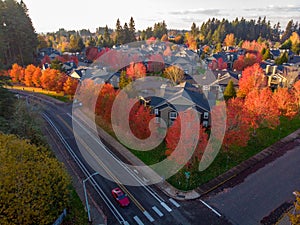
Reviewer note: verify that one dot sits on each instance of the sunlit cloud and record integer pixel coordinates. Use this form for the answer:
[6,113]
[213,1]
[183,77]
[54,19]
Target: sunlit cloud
[197,12]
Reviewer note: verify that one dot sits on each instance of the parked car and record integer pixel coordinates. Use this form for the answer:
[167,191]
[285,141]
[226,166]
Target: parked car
[120,197]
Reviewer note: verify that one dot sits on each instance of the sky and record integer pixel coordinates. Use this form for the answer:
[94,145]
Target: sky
[48,16]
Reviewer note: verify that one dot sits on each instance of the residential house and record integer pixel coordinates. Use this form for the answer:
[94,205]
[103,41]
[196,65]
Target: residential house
[177,99]
[281,76]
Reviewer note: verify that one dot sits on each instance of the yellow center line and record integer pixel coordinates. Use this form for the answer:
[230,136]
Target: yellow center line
[107,170]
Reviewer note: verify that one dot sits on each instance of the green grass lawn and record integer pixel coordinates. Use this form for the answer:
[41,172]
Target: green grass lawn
[59,96]
[76,213]
[224,161]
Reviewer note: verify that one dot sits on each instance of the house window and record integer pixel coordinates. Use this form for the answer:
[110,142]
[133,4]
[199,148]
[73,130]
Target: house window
[205,115]
[173,115]
[156,112]
[205,123]
[157,119]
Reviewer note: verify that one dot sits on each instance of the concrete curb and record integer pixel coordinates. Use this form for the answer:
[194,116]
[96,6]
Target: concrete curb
[233,172]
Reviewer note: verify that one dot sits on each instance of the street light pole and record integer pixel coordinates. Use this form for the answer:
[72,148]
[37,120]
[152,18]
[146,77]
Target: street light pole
[85,195]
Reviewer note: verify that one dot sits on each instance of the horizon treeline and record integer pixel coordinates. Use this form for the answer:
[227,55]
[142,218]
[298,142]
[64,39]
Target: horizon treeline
[18,39]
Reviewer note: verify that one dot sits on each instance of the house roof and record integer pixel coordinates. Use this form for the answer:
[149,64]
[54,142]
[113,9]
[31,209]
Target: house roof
[182,99]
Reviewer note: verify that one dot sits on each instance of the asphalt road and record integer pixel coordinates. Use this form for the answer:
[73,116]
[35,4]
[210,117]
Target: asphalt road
[148,204]
[261,192]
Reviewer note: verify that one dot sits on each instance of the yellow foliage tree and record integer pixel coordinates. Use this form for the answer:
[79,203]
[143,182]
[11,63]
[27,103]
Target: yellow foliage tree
[229,40]
[34,185]
[175,74]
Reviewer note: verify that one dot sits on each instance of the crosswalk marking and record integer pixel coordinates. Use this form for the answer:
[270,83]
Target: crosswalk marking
[149,217]
[163,204]
[137,219]
[158,212]
[174,202]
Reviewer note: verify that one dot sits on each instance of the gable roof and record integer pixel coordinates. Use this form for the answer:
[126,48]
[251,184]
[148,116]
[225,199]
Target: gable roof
[181,99]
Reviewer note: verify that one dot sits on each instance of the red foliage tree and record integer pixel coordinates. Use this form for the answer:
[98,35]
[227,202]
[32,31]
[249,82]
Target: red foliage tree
[139,120]
[92,53]
[105,101]
[248,60]
[136,70]
[262,108]
[252,78]
[221,64]
[174,136]
[237,124]
[46,59]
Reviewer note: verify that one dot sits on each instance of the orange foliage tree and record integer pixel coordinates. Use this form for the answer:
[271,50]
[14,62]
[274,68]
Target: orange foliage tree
[296,93]
[286,101]
[53,80]
[17,73]
[262,108]
[252,78]
[136,70]
[36,77]
[229,40]
[29,71]
[254,46]
[70,86]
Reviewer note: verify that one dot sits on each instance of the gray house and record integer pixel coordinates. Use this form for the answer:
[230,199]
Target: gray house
[177,99]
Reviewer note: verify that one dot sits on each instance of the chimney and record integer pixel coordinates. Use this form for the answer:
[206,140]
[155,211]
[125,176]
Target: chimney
[274,70]
[268,69]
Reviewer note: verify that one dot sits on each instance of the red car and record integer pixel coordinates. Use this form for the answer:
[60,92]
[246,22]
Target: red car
[120,197]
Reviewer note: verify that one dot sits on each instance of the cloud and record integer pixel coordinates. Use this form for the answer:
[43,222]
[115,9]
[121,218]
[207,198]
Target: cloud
[211,12]
[276,9]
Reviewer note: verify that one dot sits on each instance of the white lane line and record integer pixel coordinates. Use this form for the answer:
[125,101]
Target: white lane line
[158,212]
[149,217]
[163,204]
[211,208]
[174,202]
[137,219]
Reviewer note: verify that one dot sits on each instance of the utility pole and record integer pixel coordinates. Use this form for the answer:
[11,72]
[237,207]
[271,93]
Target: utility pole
[85,195]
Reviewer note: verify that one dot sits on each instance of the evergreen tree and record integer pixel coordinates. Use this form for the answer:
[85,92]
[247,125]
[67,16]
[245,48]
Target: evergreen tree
[126,34]
[124,80]
[160,29]
[282,59]
[229,91]
[18,39]
[119,33]
[106,38]
[267,54]
[288,31]
[194,30]
[131,30]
